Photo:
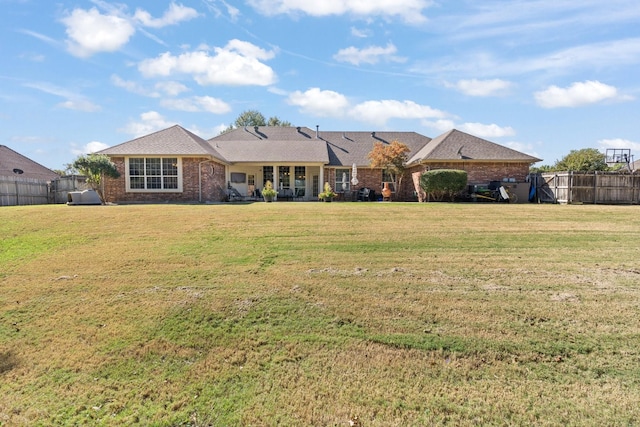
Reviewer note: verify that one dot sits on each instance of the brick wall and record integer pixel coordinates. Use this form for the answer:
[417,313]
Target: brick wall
[213,184]
[367,177]
[477,172]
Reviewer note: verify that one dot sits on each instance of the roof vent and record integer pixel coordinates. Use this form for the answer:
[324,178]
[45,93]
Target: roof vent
[373,134]
[255,128]
[317,131]
[298,129]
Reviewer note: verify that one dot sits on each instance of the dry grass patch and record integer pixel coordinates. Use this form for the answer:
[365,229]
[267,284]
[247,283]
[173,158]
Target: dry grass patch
[313,314]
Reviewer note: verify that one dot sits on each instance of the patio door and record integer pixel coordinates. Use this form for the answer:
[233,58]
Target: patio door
[300,181]
[284,177]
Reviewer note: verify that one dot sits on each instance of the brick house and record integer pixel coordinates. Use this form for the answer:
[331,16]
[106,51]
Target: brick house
[175,165]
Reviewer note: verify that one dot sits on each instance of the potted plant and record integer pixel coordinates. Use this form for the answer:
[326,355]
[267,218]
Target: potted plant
[268,193]
[327,195]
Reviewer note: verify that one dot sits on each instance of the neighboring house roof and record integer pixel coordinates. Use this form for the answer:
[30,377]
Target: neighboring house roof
[10,160]
[456,146]
[635,165]
[173,141]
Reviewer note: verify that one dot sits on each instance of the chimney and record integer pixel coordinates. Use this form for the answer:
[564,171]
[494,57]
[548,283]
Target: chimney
[317,131]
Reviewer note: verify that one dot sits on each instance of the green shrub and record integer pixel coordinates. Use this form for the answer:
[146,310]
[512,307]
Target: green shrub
[443,184]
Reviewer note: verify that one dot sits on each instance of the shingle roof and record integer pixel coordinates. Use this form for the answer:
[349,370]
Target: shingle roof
[10,160]
[301,144]
[310,151]
[347,148]
[275,143]
[173,141]
[271,144]
[457,145]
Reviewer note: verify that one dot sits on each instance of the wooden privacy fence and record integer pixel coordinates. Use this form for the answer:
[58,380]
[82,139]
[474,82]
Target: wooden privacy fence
[62,186]
[17,190]
[592,187]
[23,191]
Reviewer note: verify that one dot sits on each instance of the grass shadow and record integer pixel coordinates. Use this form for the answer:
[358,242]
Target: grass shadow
[8,361]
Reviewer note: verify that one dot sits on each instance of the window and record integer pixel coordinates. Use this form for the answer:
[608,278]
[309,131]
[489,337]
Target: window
[238,177]
[343,182]
[300,183]
[267,175]
[284,176]
[154,174]
[386,178]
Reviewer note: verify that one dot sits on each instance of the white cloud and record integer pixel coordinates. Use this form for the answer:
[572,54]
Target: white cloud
[475,87]
[80,105]
[324,103]
[171,88]
[133,87]
[233,12]
[197,104]
[578,94]
[408,10]
[619,143]
[589,56]
[486,131]
[368,55]
[74,101]
[236,64]
[327,103]
[442,125]
[379,112]
[362,34]
[150,122]
[477,129]
[91,147]
[174,15]
[90,32]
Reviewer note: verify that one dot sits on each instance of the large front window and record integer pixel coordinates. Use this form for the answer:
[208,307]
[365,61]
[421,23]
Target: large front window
[153,174]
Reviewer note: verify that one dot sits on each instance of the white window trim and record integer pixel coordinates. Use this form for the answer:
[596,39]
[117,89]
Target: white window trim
[152,190]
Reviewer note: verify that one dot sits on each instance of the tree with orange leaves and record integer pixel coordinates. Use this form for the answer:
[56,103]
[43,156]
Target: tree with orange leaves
[392,158]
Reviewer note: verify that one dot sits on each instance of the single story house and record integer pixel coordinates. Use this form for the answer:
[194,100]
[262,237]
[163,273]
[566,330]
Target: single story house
[22,180]
[13,164]
[175,165]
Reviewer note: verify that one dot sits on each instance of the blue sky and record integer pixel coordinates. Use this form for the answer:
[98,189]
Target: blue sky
[542,76]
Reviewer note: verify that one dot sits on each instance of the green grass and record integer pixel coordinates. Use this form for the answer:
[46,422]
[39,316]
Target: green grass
[313,313]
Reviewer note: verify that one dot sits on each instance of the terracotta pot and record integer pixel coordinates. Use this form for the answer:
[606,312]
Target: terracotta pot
[386,191]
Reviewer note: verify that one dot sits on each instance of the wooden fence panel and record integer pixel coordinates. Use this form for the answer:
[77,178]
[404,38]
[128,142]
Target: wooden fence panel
[598,187]
[61,187]
[16,191]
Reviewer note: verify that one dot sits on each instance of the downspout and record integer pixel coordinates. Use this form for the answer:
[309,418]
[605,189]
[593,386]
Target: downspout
[200,178]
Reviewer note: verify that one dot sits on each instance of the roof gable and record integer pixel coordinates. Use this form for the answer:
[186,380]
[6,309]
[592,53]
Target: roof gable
[173,141]
[456,145]
[10,160]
